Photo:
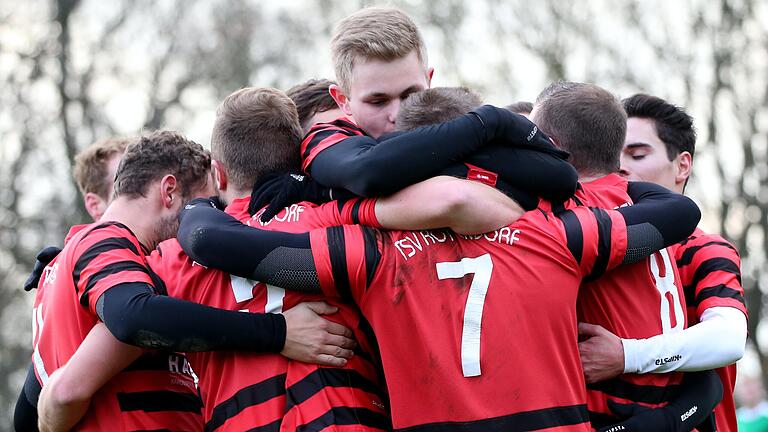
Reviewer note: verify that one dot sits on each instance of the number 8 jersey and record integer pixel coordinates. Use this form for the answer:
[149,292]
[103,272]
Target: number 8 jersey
[476,332]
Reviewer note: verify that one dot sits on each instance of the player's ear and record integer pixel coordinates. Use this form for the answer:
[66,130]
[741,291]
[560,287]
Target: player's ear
[684,165]
[169,190]
[337,93]
[94,205]
[219,175]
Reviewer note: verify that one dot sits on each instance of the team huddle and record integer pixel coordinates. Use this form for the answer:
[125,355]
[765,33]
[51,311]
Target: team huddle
[372,254]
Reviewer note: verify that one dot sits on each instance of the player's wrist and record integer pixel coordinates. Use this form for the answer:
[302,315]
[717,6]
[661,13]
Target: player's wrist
[630,349]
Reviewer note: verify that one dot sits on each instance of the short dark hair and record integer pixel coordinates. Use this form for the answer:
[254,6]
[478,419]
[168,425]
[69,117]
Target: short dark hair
[256,132]
[520,107]
[435,105]
[158,154]
[90,170]
[673,125]
[587,121]
[311,97]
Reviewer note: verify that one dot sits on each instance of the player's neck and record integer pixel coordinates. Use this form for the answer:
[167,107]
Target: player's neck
[232,194]
[592,176]
[137,215]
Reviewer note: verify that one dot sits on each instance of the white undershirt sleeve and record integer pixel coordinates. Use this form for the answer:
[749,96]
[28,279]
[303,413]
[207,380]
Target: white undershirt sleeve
[718,340]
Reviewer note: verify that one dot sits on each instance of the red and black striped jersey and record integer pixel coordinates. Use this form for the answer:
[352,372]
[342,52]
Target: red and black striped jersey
[323,135]
[255,391]
[710,269]
[636,301]
[476,332]
[157,391]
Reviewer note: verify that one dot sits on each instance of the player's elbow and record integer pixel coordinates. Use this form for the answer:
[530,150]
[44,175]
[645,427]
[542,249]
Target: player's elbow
[198,241]
[687,213]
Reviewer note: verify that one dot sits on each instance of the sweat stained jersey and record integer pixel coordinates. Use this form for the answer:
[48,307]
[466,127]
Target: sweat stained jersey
[266,391]
[479,332]
[710,270]
[157,391]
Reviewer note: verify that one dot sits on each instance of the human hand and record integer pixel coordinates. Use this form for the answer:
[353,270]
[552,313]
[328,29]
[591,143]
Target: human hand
[313,339]
[602,353]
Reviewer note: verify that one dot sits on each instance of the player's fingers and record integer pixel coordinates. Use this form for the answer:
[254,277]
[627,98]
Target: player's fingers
[321,308]
[329,360]
[336,351]
[340,341]
[586,329]
[338,329]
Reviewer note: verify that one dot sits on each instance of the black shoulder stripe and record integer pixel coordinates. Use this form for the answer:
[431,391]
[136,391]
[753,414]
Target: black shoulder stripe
[316,139]
[720,291]
[321,378]
[713,265]
[347,416]
[108,244]
[604,225]
[157,282]
[160,400]
[337,249]
[372,253]
[109,270]
[246,397]
[573,233]
[688,254]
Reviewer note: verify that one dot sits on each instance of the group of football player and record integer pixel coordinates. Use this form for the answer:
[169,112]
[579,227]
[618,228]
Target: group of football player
[372,254]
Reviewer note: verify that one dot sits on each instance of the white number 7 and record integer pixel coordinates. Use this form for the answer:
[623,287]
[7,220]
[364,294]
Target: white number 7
[481,267]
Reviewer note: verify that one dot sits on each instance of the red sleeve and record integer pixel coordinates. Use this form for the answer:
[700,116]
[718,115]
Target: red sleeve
[107,256]
[710,270]
[360,211]
[324,135]
[596,238]
[346,258]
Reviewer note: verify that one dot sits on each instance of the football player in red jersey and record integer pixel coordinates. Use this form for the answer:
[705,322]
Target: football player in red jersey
[256,132]
[635,301]
[380,58]
[157,389]
[433,342]
[659,148]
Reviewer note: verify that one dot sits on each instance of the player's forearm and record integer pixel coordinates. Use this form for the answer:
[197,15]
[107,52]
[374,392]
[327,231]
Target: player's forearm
[59,407]
[403,159]
[465,206]
[649,225]
[215,239]
[136,315]
[718,340]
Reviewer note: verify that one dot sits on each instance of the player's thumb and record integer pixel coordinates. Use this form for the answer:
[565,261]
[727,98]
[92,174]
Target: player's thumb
[586,329]
[321,308]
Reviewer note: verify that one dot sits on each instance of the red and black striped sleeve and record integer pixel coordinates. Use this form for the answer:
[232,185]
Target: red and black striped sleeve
[596,238]
[324,135]
[346,259]
[359,211]
[108,255]
[710,270]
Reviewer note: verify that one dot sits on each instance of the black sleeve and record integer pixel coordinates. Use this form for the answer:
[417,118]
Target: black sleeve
[659,218]
[136,315]
[25,413]
[216,239]
[367,168]
[692,408]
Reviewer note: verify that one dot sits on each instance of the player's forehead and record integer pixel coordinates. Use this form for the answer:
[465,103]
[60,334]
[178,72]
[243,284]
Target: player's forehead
[641,133]
[372,77]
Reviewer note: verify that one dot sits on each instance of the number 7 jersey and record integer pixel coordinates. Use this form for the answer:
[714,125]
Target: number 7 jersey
[476,332]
